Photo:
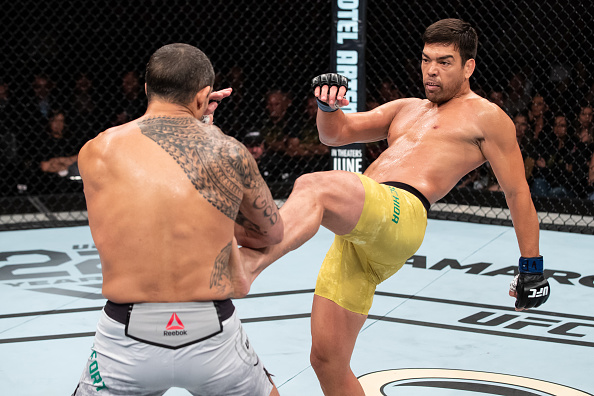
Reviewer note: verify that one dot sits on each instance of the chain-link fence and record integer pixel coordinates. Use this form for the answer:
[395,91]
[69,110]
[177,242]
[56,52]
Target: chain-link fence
[535,61]
[71,70]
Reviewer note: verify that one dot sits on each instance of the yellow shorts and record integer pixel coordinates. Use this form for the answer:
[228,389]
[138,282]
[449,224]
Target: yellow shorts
[390,230]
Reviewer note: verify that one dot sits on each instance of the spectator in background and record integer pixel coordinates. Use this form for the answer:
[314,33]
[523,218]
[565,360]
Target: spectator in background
[554,174]
[60,151]
[44,99]
[84,112]
[280,124]
[81,100]
[271,170]
[590,187]
[236,80]
[41,102]
[496,95]
[308,153]
[539,118]
[581,75]
[584,148]
[9,114]
[132,101]
[583,124]
[9,134]
[590,94]
[50,155]
[236,113]
[388,91]
[560,88]
[517,93]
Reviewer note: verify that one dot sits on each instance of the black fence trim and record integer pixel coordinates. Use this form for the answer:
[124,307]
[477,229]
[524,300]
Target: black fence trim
[47,205]
[496,199]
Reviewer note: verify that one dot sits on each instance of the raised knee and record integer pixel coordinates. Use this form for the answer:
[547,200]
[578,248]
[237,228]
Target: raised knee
[319,183]
[308,181]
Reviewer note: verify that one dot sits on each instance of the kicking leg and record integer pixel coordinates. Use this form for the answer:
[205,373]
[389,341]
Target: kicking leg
[333,199]
[334,331]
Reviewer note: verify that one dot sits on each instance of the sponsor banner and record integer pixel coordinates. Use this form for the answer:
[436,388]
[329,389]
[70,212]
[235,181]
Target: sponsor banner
[348,59]
[348,158]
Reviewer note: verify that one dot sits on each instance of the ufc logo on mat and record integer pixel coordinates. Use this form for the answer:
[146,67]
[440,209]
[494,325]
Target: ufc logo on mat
[543,291]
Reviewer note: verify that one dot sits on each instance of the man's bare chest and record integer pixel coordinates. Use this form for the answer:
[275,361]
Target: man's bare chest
[433,125]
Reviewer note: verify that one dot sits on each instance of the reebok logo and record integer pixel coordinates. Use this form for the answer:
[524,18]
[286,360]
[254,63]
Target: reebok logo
[174,323]
[174,326]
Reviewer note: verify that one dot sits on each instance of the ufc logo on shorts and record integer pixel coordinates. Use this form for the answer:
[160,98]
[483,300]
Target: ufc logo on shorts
[543,291]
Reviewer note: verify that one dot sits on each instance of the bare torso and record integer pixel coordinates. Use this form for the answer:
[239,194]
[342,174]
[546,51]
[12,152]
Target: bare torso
[432,147]
[162,195]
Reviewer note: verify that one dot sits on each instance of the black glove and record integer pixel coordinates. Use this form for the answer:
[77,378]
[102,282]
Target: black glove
[531,287]
[331,80]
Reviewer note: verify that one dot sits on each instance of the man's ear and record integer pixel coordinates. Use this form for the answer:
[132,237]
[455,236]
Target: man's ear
[469,68]
[145,91]
[201,98]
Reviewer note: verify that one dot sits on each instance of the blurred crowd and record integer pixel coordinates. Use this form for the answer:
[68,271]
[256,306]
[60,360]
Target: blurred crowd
[42,131]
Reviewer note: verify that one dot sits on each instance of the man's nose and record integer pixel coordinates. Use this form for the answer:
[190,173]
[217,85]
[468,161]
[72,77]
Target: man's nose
[432,69]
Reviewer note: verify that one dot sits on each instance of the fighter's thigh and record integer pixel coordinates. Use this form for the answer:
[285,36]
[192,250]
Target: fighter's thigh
[340,193]
[230,367]
[119,365]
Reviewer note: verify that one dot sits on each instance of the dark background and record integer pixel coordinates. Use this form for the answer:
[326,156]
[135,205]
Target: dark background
[280,44]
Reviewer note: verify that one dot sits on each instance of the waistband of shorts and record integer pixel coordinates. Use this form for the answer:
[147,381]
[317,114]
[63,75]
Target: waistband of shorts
[412,190]
[119,312]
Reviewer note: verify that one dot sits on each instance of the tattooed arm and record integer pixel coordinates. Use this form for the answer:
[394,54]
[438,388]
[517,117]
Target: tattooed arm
[258,223]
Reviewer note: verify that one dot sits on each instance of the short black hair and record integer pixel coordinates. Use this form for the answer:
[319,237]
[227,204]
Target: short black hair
[177,72]
[254,138]
[453,31]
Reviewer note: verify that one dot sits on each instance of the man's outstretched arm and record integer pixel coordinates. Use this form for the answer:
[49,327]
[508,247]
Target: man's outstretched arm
[500,148]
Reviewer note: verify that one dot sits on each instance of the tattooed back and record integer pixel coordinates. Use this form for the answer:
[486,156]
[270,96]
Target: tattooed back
[162,196]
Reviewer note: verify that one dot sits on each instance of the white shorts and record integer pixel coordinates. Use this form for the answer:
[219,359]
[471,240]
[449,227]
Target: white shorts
[224,364]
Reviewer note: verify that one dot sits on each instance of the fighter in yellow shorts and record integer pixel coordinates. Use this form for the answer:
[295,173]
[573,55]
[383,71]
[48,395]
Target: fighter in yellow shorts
[432,144]
[389,231]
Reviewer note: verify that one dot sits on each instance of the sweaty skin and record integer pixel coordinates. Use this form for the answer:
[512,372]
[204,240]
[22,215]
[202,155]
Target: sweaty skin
[422,138]
[434,143]
[162,194]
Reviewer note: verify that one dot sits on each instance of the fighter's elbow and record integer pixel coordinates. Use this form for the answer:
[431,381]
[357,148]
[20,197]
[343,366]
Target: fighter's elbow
[515,194]
[332,140]
[271,237]
[277,235]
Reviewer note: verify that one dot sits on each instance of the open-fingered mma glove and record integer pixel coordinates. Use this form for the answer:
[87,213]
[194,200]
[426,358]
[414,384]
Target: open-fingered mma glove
[531,287]
[331,80]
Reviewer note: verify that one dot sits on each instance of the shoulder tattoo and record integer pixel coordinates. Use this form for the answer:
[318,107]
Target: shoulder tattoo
[215,164]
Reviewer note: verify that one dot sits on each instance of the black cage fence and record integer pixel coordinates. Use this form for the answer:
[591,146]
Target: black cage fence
[71,70]
[535,61]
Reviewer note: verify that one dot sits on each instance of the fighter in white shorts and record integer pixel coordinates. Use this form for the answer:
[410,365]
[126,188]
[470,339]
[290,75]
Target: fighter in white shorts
[169,199]
[197,346]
